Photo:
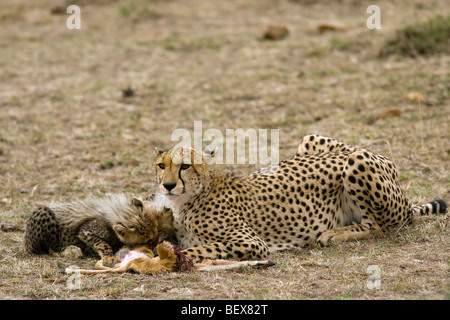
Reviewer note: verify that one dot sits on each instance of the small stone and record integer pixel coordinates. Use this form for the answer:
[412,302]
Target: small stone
[330,26]
[57,9]
[414,97]
[389,113]
[276,31]
[128,92]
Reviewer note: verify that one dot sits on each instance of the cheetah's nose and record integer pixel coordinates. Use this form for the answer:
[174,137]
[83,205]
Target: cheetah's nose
[169,185]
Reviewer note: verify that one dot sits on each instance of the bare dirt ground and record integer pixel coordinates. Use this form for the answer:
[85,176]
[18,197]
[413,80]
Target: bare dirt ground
[68,131]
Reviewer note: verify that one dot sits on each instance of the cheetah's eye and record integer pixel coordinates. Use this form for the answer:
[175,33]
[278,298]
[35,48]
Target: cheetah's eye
[161,166]
[185,166]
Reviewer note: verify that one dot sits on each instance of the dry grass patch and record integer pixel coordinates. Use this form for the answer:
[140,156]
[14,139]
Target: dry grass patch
[68,130]
[429,37]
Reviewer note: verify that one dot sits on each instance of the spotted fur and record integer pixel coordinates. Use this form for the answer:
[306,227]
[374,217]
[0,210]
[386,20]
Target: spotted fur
[98,225]
[327,191]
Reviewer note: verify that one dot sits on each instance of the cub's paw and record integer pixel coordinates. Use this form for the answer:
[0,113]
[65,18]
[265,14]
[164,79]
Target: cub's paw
[71,251]
[110,261]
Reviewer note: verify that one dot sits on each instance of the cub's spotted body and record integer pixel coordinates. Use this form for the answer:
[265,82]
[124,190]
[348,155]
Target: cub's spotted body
[98,225]
[326,191]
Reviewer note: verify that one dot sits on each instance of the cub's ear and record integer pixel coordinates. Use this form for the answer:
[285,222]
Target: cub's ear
[120,229]
[157,151]
[138,202]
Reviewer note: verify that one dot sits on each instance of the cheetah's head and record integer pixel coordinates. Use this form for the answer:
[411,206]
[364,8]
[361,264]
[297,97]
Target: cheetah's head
[182,172]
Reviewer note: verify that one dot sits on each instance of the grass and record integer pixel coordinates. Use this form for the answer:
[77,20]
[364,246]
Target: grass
[429,37]
[68,131]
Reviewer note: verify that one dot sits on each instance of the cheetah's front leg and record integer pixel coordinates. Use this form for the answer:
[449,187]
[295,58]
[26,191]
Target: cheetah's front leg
[94,234]
[246,247]
[230,250]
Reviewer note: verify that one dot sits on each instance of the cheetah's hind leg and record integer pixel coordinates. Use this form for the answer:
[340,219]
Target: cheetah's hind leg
[314,144]
[371,197]
[42,234]
[347,233]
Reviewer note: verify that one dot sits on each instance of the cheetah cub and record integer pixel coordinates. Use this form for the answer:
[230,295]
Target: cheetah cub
[99,225]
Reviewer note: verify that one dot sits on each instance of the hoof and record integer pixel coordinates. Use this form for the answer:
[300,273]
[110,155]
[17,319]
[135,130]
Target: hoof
[268,263]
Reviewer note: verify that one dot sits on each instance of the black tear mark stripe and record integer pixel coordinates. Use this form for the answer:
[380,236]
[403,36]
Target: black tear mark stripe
[179,176]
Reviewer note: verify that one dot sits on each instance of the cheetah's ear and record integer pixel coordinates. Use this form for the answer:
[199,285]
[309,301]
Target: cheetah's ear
[208,155]
[157,151]
[211,153]
[138,202]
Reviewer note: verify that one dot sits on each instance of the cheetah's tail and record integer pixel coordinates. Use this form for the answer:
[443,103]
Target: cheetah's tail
[433,207]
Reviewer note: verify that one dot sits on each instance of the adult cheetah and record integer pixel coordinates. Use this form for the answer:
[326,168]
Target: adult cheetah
[327,191]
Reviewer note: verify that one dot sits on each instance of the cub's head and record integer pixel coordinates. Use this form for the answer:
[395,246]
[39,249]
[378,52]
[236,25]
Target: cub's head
[181,172]
[142,225]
